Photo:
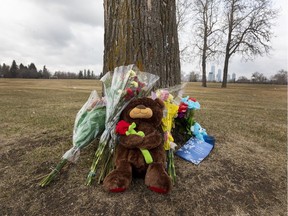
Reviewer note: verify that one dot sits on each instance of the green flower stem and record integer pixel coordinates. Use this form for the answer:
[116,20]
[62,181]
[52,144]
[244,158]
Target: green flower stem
[107,167]
[171,167]
[50,177]
[190,121]
[96,159]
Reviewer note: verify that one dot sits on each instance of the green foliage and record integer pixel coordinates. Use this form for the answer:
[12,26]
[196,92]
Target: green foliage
[13,69]
[88,74]
[31,71]
[22,71]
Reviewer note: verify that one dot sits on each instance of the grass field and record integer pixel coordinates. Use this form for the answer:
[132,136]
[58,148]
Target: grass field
[246,174]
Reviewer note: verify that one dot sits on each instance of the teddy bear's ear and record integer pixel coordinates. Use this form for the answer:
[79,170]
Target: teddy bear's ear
[192,128]
[197,127]
[160,103]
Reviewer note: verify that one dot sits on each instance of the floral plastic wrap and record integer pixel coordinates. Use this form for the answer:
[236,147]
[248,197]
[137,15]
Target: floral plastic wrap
[170,97]
[185,118]
[120,87]
[89,123]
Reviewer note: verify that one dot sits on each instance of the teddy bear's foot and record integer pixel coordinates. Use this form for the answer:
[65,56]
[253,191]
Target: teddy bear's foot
[119,179]
[157,178]
[158,190]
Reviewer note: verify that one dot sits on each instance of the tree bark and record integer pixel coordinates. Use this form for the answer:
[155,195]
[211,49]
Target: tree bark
[225,71]
[204,55]
[144,33]
[228,45]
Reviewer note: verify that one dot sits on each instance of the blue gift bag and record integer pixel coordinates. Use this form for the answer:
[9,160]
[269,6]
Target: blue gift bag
[194,150]
[209,139]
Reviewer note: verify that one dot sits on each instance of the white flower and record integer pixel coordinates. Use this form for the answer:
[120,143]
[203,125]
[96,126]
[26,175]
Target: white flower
[119,91]
[173,145]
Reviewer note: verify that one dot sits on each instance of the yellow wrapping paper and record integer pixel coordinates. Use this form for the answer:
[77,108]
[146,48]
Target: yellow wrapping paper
[167,122]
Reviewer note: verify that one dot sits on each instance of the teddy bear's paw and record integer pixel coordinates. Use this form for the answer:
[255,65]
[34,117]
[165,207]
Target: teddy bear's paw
[158,190]
[157,179]
[117,181]
[162,187]
[117,190]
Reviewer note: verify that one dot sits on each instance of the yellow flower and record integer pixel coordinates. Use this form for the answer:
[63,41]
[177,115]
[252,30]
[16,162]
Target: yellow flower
[167,143]
[158,93]
[132,73]
[135,84]
[167,123]
[170,98]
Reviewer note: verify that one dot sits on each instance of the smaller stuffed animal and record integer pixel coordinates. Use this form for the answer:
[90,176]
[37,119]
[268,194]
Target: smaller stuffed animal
[198,131]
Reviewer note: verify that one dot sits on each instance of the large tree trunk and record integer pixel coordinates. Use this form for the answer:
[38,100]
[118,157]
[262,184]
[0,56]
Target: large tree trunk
[144,33]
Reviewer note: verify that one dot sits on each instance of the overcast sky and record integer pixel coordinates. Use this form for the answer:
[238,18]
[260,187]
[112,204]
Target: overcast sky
[67,35]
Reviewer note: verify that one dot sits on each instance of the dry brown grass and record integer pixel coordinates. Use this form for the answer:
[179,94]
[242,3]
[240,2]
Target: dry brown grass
[244,175]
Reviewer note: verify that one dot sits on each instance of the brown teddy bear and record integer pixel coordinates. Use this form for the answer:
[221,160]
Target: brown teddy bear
[140,150]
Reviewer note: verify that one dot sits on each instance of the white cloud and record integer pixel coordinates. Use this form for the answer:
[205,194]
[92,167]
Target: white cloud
[63,35]
[68,35]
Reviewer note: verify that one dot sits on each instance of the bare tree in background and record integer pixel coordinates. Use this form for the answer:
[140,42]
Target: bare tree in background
[206,27]
[259,77]
[280,77]
[183,15]
[142,33]
[183,10]
[248,28]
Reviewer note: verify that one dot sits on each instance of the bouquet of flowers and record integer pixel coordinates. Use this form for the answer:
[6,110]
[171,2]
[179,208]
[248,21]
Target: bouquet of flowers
[89,123]
[120,87]
[170,112]
[185,119]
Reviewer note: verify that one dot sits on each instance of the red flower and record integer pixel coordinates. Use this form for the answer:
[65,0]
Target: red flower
[192,99]
[130,92]
[141,84]
[182,107]
[122,127]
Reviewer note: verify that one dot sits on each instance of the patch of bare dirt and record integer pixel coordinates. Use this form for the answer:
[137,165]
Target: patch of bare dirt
[219,186]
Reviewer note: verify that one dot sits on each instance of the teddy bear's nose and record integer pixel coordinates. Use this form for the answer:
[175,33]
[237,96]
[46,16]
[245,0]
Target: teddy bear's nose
[141,107]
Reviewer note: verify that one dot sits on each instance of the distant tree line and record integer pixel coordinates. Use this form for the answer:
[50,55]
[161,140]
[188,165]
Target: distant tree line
[87,74]
[279,78]
[83,74]
[30,71]
[22,71]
